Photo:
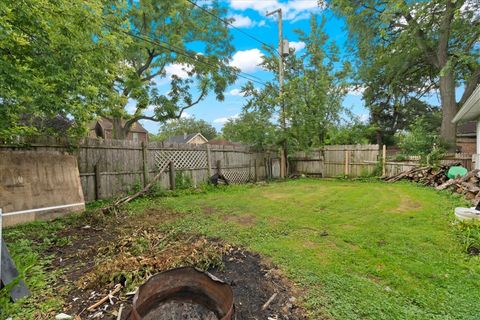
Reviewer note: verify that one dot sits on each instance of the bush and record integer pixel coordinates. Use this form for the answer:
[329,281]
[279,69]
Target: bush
[422,140]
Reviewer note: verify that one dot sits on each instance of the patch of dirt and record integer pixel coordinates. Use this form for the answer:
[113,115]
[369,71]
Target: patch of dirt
[254,283]
[247,220]
[407,204]
[208,210]
[127,250]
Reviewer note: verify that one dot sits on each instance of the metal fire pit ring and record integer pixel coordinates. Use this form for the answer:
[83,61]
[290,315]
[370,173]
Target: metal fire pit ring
[187,285]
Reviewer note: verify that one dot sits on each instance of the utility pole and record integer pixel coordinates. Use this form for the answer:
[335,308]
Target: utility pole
[281,53]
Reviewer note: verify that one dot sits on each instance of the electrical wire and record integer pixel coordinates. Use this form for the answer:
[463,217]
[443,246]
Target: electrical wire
[230,24]
[182,52]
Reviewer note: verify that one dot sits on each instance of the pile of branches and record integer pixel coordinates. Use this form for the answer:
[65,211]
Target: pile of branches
[469,185]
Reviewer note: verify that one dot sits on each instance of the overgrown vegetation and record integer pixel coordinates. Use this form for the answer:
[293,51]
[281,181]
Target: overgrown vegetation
[422,140]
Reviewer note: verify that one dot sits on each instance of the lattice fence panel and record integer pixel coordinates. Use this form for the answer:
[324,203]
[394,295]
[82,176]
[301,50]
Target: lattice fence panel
[183,159]
[237,175]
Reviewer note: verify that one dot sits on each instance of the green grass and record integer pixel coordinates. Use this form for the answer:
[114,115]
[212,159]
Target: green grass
[26,244]
[357,250]
[362,250]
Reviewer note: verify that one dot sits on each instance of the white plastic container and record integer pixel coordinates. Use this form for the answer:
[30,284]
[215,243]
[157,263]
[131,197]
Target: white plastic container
[467,213]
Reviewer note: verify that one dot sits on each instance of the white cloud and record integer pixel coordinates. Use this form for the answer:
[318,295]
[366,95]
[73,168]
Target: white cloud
[297,45]
[186,115]
[242,21]
[224,120]
[247,60]
[364,117]
[181,70]
[292,10]
[356,91]
[236,92]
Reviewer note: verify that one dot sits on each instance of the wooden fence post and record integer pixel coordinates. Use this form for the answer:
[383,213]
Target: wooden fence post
[256,169]
[171,175]
[384,160]
[282,164]
[144,163]
[209,161]
[267,175]
[347,155]
[219,167]
[98,182]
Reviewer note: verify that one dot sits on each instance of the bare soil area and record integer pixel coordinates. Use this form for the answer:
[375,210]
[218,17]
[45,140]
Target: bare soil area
[125,251]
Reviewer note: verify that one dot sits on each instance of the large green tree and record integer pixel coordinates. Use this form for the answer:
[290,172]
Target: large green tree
[315,83]
[164,36]
[57,59]
[434,42]
[186,125]
[253,128]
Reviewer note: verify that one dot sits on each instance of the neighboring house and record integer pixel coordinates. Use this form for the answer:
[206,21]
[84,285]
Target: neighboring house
[222,142]
[467,137]
[193,138]
[103,128]
[470,111]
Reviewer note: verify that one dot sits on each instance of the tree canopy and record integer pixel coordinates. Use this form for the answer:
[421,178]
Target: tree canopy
[413,47]
[315,83]
[164,33]
[57,59]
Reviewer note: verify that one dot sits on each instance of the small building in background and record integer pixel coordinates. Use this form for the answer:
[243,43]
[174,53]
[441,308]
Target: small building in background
[193,138]
[103,128]
[223,142]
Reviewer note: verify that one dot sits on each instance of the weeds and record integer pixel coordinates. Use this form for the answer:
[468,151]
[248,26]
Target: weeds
[134,258]
[469,235]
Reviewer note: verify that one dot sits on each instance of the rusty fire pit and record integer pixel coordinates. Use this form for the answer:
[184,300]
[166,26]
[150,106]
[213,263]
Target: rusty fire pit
[183,293]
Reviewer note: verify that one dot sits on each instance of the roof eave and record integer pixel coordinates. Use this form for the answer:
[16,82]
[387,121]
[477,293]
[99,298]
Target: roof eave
[471,108]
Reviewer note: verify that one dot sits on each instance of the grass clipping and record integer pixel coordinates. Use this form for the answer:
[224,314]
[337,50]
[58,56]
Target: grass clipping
[134,258]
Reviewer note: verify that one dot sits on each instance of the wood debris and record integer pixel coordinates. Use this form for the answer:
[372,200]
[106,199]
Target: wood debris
[142,192]
[109,296]
[469,185]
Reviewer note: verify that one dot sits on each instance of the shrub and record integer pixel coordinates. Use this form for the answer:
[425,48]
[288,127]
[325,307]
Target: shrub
[422,140]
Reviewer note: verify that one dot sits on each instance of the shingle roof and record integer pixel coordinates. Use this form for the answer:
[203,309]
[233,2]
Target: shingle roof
[108,125]
[222,142]
[184,138]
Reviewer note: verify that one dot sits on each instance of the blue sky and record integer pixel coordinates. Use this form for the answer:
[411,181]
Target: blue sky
[250,16]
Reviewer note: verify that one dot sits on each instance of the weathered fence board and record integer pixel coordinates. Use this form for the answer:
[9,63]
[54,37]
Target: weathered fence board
[111,168]
[336,160]
[360,160]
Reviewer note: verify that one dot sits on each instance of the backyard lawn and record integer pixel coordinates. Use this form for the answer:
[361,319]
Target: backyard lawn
[355,250]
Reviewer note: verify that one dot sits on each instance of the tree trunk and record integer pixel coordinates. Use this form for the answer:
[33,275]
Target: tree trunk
[449,108]
[118,130]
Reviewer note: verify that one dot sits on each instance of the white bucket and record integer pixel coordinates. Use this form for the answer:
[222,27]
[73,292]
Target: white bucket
[467,213]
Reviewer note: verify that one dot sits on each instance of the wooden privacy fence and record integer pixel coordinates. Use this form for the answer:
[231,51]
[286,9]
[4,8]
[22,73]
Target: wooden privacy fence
[110,168]
[361,160]
[393,167]
[336,160]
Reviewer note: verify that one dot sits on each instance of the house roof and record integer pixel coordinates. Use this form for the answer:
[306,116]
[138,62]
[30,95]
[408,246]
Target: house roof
[221,142]
[470,109]
[106,124]
[185,138]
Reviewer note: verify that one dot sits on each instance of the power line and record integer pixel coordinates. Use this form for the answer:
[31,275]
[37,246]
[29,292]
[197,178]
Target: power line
[182,52]
[230,24]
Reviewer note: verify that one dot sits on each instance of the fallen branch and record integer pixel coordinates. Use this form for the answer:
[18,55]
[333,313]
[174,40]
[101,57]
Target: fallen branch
[127,199]
[447,184]
[266,304]
[104,299]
